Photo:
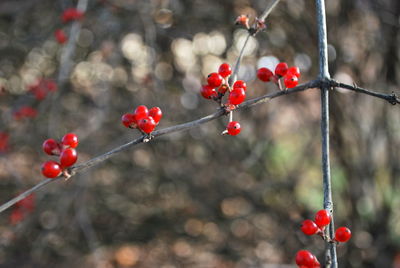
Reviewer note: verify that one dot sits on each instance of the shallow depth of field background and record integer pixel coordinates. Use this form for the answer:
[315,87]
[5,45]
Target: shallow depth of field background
[198,199]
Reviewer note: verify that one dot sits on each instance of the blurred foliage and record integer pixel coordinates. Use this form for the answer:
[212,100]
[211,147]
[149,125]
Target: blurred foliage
[198,199]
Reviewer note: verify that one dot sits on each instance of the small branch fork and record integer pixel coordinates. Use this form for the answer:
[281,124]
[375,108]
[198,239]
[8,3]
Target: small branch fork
[192,124]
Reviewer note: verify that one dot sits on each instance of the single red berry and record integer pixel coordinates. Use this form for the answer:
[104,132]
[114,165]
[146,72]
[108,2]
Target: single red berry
[208,92]
[147,124]
[156,113]
[68,157]
[294,70]
[309,227]
[16,216]
[141,112]
[225,70]
[214,80]
[237,96]
[71,14]
[240,84]
[264,74]
[291,81]
[128,120]
[50,85]
[233,128]
[305,257]
[322,218]
[61,37]
[242,20]
[223,89]
[281,69]
[51,147]
[4,137]
[51,169]
[70,140]
[27,204]
[342,234]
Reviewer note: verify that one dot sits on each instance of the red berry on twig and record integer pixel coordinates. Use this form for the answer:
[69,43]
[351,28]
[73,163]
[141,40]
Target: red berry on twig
[156,113]
[237,96]
[208,92]
[322,218]
[60,36]
[214,80]
[68,157]
[291,81]
[147,124]
[128,120]
[51,169]
[309,227]
[342,234]
[281,69]
[264,74]
[306,258]
[51,147]
[70,140]
[240,84]
[225,70]
[141,112]
[233,128]
[294,70]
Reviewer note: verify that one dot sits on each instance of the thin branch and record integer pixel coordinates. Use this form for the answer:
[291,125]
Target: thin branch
[391,98]
[268,10]
[186,126]
[330,253]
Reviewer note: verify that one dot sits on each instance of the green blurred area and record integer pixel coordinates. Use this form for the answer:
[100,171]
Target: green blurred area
[196,198]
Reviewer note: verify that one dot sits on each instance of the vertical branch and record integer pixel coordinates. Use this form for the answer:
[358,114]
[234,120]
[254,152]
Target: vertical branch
[330,254]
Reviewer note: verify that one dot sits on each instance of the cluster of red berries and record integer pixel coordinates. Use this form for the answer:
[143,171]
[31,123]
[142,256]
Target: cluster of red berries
[142,118]
[42,87]
[4,137]
[290,75]
[70,14]
[322,219]
[25,112]
[66,152]
[217,86]
[22,208]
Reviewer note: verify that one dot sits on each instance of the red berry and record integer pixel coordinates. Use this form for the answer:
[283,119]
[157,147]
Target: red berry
[322,218]
[208,92]
[264,74]
[68,157]
[147,124]
[343,234]
[281,69]
[225,70]
[156,113]
[61,37]
[16,216]
[71,14]
[128,120]
[305,257]
[291,81]
[294,70]
[51,147]
[237,96]
[27,204]
[70,140]
[214,80]
[233,128]
[51,169]
[223,89]
[4,137]
[309,227]
[141,112]
[240,84]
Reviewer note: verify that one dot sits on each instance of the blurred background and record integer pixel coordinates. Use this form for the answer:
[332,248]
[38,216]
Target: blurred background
[196,198]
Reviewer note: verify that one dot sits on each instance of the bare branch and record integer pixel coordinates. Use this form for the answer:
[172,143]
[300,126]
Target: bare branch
[330,252]
[391,98]
[268,10]
[185,126]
